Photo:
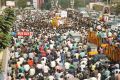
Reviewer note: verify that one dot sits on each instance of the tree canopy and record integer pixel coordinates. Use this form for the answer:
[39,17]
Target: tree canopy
[21,3]
[46,5]
[6,21]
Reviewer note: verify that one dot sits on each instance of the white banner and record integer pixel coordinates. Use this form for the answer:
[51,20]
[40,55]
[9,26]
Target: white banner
[63,13]
[10,3]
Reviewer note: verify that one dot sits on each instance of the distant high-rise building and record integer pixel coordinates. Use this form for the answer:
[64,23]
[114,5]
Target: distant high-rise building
[38,3]
[115,1]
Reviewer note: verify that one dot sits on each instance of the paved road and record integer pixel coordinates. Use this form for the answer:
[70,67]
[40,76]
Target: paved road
[6,56]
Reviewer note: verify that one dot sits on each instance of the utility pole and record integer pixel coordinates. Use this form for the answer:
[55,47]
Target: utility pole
[0,3]
[72,3]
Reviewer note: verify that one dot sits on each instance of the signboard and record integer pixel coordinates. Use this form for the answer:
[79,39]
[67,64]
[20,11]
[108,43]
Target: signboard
[10,3]
[24,33]
[63,13]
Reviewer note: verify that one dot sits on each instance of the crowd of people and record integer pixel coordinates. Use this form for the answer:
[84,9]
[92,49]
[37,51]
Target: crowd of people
[58,54]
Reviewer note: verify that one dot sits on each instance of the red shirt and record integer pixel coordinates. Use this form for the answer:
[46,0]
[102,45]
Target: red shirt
[30,62]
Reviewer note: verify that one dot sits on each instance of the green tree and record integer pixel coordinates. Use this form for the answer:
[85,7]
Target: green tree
[6,21]
[21,3]
[79,3]
[64,3]
[46,5]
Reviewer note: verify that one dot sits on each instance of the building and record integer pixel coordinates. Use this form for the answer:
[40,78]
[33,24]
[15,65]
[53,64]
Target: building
[91,5]
[115,1]
[38,4]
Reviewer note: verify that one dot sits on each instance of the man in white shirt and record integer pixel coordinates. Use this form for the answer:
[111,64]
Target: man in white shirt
[46,69]
[39,66]
[67,65]
[32,71]
[21,59]
[51,46]
[92,78]
[99,76]
[58,60]
[53,64]
[51,77]
[16,54]
[31,55]
[26,67]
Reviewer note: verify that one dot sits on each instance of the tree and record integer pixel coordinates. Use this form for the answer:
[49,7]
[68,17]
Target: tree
[79,3]
[6,22]
[21,3]
[64,3]
[46,5]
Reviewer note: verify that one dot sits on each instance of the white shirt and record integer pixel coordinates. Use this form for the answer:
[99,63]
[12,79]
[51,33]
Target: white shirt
[67,65]
[39,66]
[66,49]
[51,77]
[92,78]
[21,60]
[32,71]
[58,53]
[99,76]
[31,55]
[85,59]
[46,69]
[51,46]
[58,60]
[26,67]
[53,63]
[17,54]
[70,45]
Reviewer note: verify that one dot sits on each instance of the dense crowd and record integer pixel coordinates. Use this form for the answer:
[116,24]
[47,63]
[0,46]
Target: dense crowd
[108,35]
[60,54]
[57,55]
